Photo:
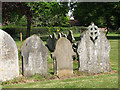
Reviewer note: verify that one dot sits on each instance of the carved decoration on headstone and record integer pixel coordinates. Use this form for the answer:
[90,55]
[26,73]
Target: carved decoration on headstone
[9,63]
[93,51]
[63,63]
[34,54]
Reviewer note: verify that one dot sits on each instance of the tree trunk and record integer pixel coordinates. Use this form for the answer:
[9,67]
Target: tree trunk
[28,26]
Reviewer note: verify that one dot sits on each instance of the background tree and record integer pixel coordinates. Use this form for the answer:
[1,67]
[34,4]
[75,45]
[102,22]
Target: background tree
[48,14]
[103,14]
[12,11]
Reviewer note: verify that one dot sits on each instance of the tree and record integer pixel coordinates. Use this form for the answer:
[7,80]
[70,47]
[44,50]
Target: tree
[103,14]
[50,14]
[11,10]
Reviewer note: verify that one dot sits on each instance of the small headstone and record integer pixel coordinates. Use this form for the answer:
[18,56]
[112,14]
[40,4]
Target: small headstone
[9,63]
[93,50]
[34,54]
[51,42]
[59,35]
[63,63]
[70,37]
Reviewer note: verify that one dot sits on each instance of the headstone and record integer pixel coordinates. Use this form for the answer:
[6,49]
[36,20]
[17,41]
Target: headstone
[9,65]
[59,35]
[51,42]
[70,37]
[63,35]
[93,50]
[62,56]
[34,54]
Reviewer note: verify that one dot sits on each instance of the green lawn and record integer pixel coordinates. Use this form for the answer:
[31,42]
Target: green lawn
[77,81]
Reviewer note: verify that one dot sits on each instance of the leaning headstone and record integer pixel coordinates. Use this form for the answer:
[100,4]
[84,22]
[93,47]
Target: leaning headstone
[93,50]
[62,56]
[51,42]
[70,37]
[9,65]
[34,54]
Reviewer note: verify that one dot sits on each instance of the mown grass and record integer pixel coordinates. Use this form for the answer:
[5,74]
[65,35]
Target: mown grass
[79,81]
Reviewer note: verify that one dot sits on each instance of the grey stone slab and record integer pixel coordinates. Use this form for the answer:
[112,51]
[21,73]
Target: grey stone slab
[34,54]
[93,51]
[9,65]
[62,56]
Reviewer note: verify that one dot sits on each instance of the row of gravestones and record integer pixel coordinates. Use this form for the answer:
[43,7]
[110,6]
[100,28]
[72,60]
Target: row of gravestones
[52,39]
[93,51]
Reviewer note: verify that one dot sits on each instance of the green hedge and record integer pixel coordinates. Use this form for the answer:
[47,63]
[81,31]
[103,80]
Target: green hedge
[15,31]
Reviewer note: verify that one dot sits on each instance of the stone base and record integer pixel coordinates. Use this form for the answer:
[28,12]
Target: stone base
[64,72]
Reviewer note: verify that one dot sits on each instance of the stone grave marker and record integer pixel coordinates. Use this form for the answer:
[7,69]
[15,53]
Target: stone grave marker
[70,37]
[93,51]
[62,56]
[59,35]
[51,42]
[34,54]
[63,35]
[9,65]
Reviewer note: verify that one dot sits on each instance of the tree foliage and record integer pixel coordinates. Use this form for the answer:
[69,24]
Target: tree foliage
[50,14]
[103,14]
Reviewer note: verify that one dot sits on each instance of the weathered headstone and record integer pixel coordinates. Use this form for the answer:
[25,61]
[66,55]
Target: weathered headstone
[34,54]
[9,65]
[51,42]
[93,50]
[62,56]
[70,37]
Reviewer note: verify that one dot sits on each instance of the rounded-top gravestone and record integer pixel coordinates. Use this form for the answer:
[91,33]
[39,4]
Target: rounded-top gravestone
[93,51]
[62,56]
[9,65]
[34,54]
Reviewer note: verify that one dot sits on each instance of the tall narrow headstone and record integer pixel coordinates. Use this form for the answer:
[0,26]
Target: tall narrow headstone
[34,54]
[9,65]
[93,50]
[62,56]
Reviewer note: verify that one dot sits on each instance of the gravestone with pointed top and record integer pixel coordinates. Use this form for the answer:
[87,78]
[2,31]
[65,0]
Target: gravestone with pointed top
[93,51]
[62,56]
[34,54]
[9,63]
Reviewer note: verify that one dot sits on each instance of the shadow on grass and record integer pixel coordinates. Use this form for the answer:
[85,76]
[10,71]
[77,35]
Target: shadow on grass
[113,37]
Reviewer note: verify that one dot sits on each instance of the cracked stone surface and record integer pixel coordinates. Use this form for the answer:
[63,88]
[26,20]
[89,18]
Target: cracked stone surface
[34,54]
[9,65]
